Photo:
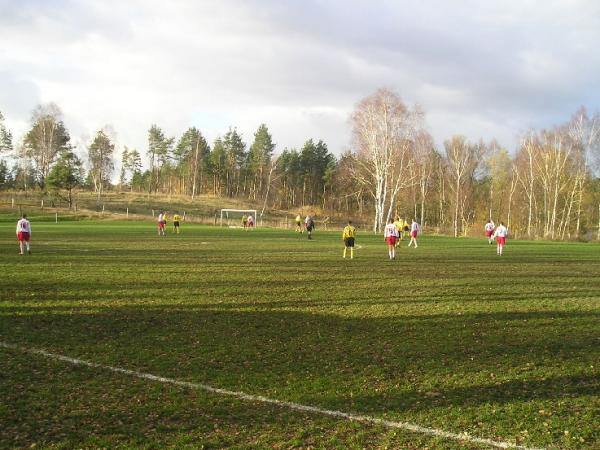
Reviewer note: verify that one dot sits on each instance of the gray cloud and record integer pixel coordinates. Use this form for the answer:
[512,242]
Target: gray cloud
[300,66]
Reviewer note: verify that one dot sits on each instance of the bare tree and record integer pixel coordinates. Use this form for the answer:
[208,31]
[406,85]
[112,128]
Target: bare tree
[425,160]
[552,164]
[585,132]
[383,129]
[526,173]
[462,158]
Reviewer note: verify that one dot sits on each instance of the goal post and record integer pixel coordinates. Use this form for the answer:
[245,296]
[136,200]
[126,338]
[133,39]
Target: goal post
[231,214]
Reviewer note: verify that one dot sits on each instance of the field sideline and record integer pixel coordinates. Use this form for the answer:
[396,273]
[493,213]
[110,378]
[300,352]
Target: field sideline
[449,336]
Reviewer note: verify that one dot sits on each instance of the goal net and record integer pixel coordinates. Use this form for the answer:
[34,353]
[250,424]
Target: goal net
[234,218]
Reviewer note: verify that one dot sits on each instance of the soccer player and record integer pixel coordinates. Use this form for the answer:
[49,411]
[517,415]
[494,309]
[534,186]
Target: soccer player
[23,234]
[399,226]
[161,221]
[176,219]
[348,236]
[250,221]
[390,235]
[414,230]
[489,230]
[244,221]
[500,234]
[309,224]
[299,224]
[405,228]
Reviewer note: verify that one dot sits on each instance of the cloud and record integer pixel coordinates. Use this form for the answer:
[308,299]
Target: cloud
[480,69]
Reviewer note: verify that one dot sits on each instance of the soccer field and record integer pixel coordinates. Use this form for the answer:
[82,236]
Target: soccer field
[449,337]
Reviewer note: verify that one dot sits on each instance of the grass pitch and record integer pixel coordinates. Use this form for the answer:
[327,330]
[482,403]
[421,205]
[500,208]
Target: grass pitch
[448,336]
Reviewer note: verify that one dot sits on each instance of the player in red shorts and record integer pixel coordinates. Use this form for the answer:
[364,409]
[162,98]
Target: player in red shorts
[489,230]
[414,230]
[161,221]
[500,234]
[23,234]
[390,235]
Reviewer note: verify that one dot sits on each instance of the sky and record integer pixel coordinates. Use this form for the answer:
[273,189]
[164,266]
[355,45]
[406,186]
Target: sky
[483,69]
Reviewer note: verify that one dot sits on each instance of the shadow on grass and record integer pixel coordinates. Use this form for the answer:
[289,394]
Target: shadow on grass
[530,354]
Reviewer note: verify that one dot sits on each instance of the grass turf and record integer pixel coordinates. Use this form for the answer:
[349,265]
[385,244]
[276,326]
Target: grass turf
[448,336]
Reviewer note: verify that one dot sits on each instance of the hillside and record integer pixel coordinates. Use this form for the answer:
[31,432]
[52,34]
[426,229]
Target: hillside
[142,206]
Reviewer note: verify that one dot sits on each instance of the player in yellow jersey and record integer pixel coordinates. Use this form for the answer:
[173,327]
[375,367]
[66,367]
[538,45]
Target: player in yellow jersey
[348,236]
[299,224]
[176,219]
[165,220]
[399,223]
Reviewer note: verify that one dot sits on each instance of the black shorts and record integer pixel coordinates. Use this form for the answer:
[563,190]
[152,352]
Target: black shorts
[349,242]
[176,223]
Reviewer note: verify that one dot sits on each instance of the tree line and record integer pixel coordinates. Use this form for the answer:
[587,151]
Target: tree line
[547,187]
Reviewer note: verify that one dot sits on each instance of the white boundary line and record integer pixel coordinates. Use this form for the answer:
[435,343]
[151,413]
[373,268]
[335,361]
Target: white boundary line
[259,398]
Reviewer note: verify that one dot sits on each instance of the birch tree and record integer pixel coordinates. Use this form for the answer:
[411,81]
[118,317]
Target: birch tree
[425,159]
[526,175]
[462,160]
[585,133]
[383,129]
[100,156]
[45,140]
[552,164]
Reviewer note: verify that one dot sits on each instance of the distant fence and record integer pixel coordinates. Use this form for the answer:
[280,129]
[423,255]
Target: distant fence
[58,210]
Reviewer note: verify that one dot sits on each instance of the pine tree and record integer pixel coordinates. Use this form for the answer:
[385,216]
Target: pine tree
[191,154]
[259,158]
[5,137]
[235,159]
[65,174]
[124,168]
[159,149]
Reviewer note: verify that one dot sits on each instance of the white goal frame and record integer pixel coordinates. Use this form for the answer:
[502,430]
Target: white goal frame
[227,211]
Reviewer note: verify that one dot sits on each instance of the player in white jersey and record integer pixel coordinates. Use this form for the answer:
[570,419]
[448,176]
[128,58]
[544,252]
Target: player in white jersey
[24,234]
[309,224]
[161,221]
[489,230]
[390,235]
[500,234]
[414,231]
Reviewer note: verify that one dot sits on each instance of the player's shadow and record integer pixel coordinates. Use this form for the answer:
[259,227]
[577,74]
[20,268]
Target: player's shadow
[369,364]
